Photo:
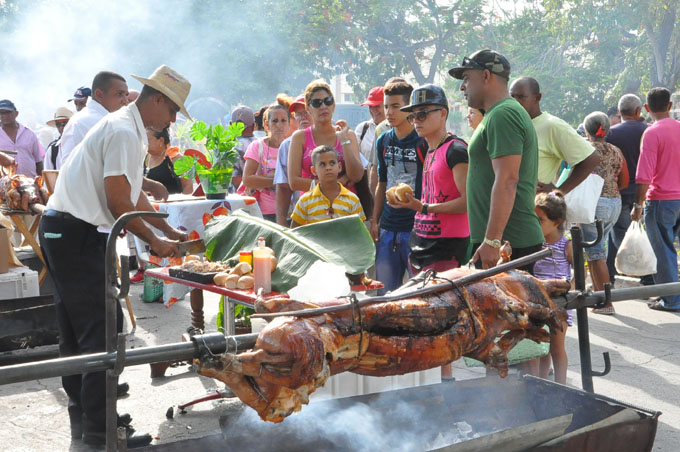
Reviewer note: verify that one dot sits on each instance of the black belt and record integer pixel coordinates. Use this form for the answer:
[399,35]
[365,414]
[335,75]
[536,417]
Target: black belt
[57,214]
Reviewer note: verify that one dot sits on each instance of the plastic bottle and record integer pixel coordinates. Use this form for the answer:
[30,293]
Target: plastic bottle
[262,267]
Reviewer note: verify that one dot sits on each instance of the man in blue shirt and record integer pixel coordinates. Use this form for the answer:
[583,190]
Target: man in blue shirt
[399,152]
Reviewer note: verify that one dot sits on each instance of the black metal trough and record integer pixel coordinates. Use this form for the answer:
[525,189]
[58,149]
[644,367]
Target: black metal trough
[514,414]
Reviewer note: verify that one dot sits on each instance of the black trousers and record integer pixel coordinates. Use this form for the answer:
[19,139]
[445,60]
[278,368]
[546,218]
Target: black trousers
[74,252]
[516,254]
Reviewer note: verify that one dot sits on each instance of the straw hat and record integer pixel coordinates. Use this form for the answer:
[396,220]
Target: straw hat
[170,83]
[60,114]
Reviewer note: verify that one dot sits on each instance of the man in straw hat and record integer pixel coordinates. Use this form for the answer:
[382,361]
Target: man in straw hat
[61,118]
[101,181]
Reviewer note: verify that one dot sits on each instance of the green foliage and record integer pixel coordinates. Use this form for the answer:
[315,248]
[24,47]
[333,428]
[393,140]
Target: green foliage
[220,143]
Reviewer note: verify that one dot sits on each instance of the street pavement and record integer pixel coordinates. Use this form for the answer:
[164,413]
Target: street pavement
[644,346]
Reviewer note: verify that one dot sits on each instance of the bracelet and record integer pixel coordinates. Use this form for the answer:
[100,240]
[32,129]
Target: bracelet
[493,243]
[424,209]
[636,206]
[345,143]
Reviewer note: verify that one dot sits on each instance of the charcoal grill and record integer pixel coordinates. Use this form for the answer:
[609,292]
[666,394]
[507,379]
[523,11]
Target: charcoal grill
[500,411]
[505,411]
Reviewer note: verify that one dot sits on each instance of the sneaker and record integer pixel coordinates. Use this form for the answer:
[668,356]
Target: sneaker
[137,277]
[123,421]
[98,440]
[122,389]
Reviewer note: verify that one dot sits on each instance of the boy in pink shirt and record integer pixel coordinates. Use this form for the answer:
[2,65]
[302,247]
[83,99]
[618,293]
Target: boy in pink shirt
[658,186]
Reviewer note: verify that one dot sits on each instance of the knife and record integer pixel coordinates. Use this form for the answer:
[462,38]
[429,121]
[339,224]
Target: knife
[189,247]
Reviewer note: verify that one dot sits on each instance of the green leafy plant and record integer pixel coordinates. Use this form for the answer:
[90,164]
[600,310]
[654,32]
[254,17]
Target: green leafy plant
[220,143]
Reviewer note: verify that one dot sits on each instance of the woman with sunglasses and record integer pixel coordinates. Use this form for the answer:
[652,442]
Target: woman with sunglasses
[320,104]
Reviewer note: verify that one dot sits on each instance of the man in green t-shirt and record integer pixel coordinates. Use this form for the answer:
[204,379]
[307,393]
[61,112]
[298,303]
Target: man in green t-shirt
[504,161]
[557,141]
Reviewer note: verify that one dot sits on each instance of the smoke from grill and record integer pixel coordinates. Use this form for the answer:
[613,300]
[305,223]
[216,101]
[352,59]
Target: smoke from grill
[340,426]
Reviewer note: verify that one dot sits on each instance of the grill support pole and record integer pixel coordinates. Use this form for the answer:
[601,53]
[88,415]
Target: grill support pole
[579,245]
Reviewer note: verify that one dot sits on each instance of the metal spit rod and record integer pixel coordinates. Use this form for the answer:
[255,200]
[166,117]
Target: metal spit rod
[215,343]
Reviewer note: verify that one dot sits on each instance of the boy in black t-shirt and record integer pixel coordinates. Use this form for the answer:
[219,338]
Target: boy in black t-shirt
[399,153]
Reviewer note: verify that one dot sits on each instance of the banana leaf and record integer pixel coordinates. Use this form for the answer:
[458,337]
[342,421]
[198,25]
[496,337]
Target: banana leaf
[343,241]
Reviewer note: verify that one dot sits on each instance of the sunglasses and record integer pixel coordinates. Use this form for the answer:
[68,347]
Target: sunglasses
[421,115]
[467,62]
[316,103]
[61,123]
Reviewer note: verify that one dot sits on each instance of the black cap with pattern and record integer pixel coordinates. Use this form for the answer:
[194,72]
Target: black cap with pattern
[427,95]
[481,60]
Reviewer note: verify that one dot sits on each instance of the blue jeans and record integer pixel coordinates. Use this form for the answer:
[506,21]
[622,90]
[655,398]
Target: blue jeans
[607,210]
[662,220]
[391,258]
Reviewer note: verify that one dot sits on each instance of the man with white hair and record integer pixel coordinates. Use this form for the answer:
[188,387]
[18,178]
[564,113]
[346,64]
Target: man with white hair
[627,136]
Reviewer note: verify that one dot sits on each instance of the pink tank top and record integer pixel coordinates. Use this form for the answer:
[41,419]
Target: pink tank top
[310,144]
[438,187]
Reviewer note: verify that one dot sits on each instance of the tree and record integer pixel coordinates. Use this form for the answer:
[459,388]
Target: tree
[371,41]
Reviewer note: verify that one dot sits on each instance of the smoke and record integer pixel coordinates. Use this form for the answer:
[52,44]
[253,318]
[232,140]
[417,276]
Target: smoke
[336,426]
[52,47]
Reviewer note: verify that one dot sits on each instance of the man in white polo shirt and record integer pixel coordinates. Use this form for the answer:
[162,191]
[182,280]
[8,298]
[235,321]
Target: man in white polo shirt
[101,181]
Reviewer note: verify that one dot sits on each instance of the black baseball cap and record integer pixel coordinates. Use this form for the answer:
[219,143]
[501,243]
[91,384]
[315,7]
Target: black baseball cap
[82,93]
[481,60]
[427,95]
[7,105]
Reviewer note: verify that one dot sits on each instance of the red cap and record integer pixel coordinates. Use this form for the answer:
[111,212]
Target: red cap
[299,101]
[375,97]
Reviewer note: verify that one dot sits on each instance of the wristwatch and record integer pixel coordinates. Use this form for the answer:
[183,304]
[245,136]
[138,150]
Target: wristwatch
[424,209]
[636,206]
[493,243]
[345,143]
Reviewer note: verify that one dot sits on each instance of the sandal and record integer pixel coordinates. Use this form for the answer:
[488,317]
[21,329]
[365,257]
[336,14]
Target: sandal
[607,310]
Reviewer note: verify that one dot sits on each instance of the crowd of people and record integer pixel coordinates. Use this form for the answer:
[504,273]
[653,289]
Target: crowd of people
[507,183]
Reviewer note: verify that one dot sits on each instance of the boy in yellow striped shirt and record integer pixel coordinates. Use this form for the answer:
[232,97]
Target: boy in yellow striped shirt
[329,199]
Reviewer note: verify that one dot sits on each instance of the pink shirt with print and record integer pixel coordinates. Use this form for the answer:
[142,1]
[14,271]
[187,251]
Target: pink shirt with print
[267,168]
[659,164]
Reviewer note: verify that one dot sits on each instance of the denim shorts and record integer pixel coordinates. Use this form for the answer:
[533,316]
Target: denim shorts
[607,210]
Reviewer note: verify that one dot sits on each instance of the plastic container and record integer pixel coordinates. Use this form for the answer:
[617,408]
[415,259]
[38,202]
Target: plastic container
[347,384]
[153,288]
[246,256]
[19,282]
[262,267]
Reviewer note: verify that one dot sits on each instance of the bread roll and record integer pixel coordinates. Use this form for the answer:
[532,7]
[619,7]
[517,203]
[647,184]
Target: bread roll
[221,278]
[401,190]
[274,262]
[389,194]
[241,269]
[231,281]
[245,282]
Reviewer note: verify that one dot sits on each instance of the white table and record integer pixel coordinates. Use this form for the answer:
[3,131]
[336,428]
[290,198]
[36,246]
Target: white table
[191,214]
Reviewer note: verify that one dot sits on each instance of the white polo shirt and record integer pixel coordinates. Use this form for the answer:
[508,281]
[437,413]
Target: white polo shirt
[77,128]
[116,146]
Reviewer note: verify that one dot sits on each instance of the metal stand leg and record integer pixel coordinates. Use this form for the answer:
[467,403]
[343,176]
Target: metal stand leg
[229,314]
[587,372]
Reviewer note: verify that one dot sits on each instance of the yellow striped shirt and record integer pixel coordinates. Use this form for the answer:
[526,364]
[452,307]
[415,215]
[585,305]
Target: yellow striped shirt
[314,207]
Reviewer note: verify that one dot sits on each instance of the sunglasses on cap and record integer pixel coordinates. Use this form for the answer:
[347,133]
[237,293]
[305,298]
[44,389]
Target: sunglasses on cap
[316,103]
[420,115]
[467,62]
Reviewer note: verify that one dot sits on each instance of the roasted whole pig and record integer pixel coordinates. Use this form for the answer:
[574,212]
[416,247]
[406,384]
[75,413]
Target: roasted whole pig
[295,355]
[18,192]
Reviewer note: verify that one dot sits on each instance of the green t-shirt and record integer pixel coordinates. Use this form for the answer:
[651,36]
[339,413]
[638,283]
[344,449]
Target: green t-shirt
[505,130]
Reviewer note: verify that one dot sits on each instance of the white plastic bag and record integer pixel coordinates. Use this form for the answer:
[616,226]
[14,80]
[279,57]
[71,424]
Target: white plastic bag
[636,256]
[323,281]
[582,200]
